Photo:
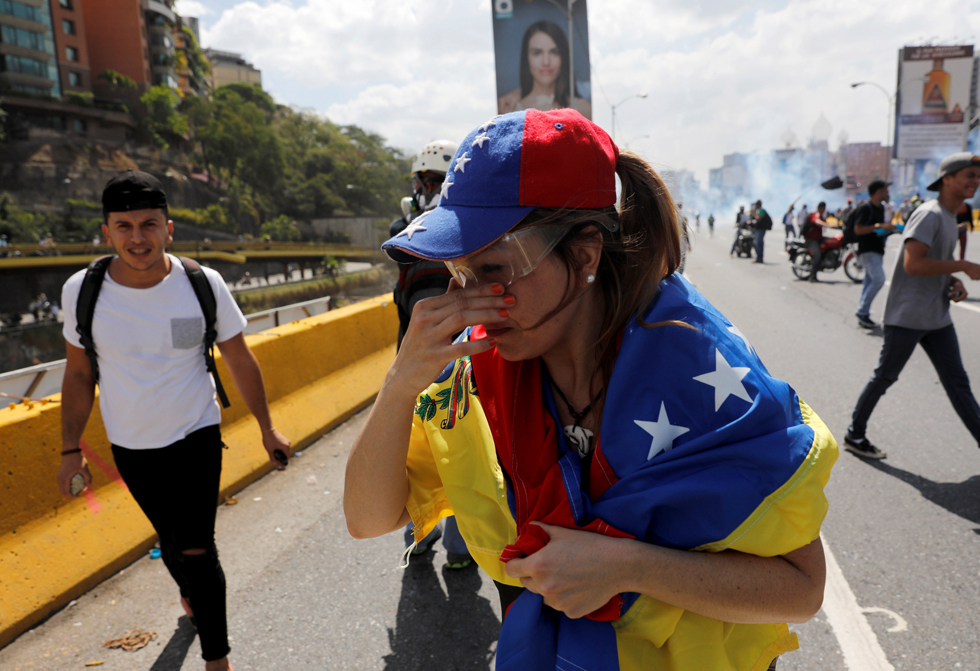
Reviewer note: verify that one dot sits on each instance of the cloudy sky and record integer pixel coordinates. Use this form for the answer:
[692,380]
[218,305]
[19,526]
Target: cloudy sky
[722,76]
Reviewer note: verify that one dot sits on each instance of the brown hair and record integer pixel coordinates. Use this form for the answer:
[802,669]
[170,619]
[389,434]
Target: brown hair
[644,250]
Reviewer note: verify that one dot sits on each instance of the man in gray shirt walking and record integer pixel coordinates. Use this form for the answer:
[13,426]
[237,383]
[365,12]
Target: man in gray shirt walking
[917,310]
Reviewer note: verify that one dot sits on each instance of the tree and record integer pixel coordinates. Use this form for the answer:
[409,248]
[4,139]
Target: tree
[162,121]
[281,228]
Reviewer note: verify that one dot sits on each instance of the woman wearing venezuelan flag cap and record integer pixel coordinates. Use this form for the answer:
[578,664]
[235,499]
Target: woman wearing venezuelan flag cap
[644,494]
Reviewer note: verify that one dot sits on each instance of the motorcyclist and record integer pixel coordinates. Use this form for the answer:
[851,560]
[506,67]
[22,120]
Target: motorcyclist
[743,220]
[813,234]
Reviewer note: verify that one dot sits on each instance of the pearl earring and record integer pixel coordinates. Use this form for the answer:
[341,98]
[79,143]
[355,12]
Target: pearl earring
[590,279]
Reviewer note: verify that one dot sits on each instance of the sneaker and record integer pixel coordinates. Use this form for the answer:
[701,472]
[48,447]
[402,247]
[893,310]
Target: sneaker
[866,323]
[863,448]
[455,562]
[427,542]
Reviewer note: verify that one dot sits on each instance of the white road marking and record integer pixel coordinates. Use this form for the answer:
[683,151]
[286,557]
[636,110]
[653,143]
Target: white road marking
[858,642]
[900,622]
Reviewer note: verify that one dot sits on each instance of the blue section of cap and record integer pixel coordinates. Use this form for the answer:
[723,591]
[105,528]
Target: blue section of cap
[480,197]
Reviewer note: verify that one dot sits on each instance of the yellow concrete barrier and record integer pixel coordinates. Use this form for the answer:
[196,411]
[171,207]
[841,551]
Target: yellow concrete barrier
[318,372]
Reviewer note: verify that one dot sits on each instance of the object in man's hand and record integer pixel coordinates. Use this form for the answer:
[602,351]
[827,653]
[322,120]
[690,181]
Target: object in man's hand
[281,457]
[77,484]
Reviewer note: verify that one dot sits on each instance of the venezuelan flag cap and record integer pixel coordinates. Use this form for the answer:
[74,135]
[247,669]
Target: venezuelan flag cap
[503,170]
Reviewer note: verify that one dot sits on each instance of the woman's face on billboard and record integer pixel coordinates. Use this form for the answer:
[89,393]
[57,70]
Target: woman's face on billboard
[543,59]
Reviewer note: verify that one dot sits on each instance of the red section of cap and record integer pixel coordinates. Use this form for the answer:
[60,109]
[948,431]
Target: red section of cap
[566,161]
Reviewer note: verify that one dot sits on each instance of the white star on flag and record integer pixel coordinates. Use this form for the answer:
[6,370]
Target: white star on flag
[726,380]
[479,140]
[487,125]
[734,329]
[444,194]
[412,229]
[663,432]
[461,163]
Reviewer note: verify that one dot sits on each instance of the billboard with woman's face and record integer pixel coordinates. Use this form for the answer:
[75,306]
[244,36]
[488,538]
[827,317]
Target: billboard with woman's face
[536,61]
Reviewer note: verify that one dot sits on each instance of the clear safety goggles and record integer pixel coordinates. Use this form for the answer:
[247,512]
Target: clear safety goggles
[514,256]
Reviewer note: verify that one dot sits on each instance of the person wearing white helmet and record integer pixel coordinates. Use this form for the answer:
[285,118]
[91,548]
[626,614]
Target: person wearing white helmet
[426,279]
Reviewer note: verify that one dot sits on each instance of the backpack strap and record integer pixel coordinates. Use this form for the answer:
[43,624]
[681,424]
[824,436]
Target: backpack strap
[88,296]
[209,305]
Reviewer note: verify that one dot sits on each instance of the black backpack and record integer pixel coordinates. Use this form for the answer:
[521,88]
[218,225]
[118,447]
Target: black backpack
[850,220]
[88,296]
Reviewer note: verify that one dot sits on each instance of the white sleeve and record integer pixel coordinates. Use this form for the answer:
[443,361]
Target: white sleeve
[69,304]
[230,320]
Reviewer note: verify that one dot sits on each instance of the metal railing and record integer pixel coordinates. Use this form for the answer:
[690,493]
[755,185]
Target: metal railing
[36,382]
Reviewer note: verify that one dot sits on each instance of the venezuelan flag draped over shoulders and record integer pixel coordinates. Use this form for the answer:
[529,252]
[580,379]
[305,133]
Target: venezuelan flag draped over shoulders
[700,449]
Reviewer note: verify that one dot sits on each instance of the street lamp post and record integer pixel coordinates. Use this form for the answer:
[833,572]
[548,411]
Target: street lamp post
[891,103]
[635,95]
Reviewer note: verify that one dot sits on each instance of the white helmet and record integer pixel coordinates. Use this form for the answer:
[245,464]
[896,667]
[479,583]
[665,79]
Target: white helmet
[435,156]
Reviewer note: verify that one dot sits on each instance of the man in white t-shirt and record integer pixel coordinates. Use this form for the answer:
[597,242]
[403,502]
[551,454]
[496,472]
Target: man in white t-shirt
[157,397]
[917,311]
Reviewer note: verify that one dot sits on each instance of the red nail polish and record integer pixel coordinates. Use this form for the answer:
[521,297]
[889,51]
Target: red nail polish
[503,313]
[509,300]
[498,289]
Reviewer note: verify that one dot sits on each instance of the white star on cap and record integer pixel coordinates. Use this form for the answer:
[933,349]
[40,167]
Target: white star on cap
[480,139]
[413,228]
[663,432]
[726,380]
[444,194]
[734,329]
[487,125]
[461,163]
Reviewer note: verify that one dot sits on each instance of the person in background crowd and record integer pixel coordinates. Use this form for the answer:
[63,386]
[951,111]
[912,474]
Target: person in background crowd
[905,210]
[788,220]
[763,223]
[742,219]
[426,279]
[711,225]
[812,232]
[871,228]
[917,311]
[801,219]
[964,223]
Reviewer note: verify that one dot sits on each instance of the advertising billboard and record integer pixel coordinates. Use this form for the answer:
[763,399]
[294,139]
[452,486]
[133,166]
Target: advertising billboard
[933,101]
[536,62]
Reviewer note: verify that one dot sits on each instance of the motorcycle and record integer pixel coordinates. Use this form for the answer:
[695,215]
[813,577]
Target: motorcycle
[833,254]
[745,240]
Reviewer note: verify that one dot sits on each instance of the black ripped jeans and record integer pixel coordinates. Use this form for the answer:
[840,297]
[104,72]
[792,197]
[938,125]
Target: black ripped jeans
[177,488]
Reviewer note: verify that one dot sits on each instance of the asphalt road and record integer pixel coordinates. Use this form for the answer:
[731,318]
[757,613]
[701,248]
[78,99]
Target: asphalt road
[303,595]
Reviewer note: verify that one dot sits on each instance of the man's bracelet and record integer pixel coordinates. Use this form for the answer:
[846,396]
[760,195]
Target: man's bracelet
[71,451]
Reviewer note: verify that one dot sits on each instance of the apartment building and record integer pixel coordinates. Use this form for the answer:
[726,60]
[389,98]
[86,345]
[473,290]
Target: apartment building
[228,67]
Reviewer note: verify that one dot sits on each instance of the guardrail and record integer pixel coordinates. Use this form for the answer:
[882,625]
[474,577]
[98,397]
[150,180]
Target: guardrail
[45,379]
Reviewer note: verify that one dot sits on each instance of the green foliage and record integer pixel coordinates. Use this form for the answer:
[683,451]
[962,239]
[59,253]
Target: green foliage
[83,204]
[116,79]
[213,217]
[162,121]
[81,98]
[282,229]
[23,227]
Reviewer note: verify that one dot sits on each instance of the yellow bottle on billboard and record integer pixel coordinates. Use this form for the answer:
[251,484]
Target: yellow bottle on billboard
[935,94]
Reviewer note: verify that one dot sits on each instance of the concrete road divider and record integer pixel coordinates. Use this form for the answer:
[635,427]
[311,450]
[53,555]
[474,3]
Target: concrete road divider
[318,372]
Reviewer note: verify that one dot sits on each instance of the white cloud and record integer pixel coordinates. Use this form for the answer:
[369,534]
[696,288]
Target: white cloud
[192,8]
[721,76]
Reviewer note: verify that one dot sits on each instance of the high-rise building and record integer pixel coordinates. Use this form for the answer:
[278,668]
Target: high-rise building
[71,49]
[228,67]
[866,162]
[118,37]
[27,49]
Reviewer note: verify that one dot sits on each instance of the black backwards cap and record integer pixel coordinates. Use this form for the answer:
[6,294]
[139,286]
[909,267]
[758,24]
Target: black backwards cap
[133,190]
